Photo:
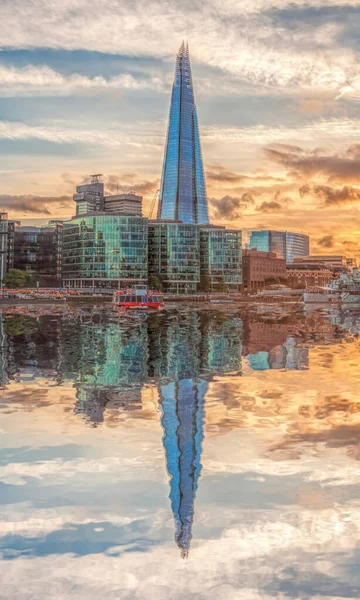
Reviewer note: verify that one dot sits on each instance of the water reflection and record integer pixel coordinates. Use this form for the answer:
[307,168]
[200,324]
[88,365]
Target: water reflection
[205,376]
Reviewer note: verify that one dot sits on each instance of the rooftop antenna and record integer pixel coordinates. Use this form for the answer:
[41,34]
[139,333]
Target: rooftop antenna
[96,178]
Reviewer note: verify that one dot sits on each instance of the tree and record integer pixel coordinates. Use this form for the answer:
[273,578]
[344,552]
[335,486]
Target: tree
[221,286]
[17,279]
[205,283]
[155,282]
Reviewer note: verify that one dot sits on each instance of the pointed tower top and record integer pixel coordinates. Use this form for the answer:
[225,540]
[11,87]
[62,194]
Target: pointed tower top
[182,49]
[183,189]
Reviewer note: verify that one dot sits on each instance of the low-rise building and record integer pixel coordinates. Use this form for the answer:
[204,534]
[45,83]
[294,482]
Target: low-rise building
[105,251]
[259,268]
[327,261]
[302,275]
[123,204]
[220,258]
[174,255]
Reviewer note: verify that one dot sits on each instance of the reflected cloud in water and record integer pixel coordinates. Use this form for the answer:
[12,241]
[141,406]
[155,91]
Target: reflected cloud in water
[259,427]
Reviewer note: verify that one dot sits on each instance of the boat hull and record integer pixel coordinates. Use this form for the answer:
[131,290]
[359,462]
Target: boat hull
[139,305]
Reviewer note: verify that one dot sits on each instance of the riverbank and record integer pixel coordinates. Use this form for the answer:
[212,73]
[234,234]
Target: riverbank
[198,299]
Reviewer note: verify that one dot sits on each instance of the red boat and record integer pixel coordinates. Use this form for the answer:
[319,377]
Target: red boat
[138,298]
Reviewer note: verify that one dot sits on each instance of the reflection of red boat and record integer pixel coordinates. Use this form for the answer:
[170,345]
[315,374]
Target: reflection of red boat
[138,298]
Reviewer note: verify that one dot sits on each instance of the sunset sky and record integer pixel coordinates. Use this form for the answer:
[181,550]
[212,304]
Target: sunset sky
[85,88]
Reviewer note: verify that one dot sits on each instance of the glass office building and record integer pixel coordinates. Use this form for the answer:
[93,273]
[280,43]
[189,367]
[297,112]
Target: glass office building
[174,255]
[297,244]
[3,245]
[105,251]
[183,190]
[36,250]
[221,257]
[284,244]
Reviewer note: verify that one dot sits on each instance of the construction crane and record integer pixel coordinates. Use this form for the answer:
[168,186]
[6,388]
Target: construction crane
[153,204]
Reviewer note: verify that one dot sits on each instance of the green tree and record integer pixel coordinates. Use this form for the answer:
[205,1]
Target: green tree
[155,282]
[205,283]
[221,286]
[17,279]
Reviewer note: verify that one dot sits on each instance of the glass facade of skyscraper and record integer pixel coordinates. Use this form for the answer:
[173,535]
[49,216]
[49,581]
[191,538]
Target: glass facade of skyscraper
[297,244]
[260,240]
[183,191]
[174,255]
[284,244]
[221,257]
[105,251]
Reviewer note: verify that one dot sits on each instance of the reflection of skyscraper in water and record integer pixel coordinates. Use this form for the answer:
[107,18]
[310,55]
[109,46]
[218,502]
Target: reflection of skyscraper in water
[183,348]
[109,365]
[221,343]
[3,353]
[174,346]
[182,420]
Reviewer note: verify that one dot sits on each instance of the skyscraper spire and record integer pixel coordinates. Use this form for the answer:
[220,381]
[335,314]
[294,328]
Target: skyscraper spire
[183,190]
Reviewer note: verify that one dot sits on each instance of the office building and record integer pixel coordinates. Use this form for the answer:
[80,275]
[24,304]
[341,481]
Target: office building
[220,258]
[183,190]
[297,244]
[105,251]
[36,250]
[174,255]
[284,244]
[3,245]
[259,268]
[89,197]
[123,204]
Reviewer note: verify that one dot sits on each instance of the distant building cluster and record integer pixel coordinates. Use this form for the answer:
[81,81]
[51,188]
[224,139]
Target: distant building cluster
[286,245]
[110,244]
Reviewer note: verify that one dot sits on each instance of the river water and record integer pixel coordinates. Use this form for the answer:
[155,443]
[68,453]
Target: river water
[193,453]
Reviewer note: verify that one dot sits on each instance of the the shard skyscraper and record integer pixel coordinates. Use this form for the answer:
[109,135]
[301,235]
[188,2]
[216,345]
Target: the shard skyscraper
[183,190]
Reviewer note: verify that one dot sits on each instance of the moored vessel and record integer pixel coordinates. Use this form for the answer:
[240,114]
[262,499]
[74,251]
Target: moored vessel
[138,298]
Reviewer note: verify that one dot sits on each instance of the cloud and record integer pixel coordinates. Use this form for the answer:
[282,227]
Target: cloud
[220,174]
[231,206]
[33,204]
[343,165]
[43,81]
[327,241]
[350,245]
[331,196]
[269,207]
[270,55]
[127,183]
[276,203]
[141,135]
[325,131]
